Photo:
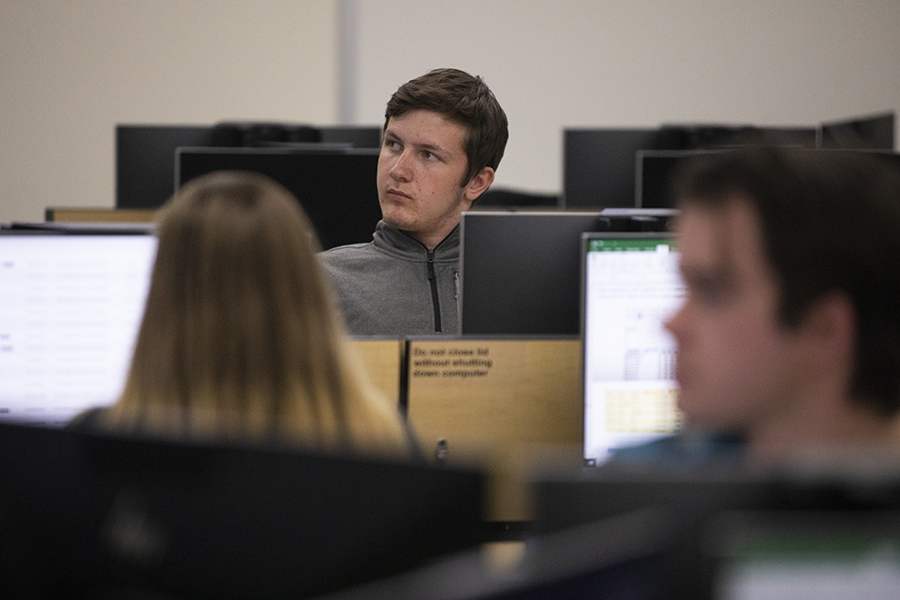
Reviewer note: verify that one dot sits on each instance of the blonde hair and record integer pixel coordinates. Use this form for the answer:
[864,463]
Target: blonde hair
[240,337]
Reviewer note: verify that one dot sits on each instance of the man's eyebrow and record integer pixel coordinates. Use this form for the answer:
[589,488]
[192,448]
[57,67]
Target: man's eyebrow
[421,146]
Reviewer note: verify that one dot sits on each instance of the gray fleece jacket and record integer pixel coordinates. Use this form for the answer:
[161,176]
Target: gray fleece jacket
[394,285]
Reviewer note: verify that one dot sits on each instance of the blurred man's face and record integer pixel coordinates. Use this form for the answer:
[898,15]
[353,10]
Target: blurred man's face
[737,366]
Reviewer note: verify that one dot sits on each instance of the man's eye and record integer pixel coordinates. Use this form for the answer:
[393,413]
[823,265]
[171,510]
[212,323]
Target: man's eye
[708,294]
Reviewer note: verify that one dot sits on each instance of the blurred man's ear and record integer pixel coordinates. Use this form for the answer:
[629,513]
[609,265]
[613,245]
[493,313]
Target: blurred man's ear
[830,326]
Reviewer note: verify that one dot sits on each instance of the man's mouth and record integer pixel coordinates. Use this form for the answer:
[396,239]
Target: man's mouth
[398,194]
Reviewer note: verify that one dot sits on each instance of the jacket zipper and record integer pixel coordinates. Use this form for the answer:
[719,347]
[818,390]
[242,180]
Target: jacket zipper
[434,292]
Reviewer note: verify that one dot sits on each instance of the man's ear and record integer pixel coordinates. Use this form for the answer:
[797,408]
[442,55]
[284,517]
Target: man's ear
[481,182]
[830,325]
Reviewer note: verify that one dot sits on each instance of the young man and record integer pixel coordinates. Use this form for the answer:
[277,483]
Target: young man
[789,337]
[444,136]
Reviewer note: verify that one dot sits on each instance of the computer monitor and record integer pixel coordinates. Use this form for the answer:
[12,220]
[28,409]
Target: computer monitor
[336,188]
[71,302]
[656,170]
[654,174]
[599,164]
[105,516]
[631,284]
[874,132]
[731,531]
[519,271]
[145,160]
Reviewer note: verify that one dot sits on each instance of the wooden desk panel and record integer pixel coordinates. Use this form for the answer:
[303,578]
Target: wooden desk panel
[99,215]
[499,402]
[383,361]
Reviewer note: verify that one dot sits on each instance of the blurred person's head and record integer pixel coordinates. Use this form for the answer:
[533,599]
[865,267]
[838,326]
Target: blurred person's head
[790,325]
[240,337]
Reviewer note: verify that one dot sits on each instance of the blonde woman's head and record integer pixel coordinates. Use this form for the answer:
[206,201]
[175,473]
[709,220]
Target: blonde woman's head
[240,337]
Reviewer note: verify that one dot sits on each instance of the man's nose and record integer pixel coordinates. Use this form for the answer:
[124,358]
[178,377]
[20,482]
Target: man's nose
[401,170]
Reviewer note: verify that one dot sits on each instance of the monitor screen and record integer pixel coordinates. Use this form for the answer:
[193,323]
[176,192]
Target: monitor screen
[631,285]
[70,308]
[335,187]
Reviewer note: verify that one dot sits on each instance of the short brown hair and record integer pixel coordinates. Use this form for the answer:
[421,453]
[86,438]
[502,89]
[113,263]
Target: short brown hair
[462,98]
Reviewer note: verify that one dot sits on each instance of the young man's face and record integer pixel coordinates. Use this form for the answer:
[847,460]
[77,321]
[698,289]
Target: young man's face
[737,366]
[420,174]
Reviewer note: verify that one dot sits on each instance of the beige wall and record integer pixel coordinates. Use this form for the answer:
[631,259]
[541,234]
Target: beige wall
[71,69]
[633,63]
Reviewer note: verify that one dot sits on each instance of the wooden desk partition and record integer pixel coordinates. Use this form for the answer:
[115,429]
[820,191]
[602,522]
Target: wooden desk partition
[499,401]
[382,358]
[99,215]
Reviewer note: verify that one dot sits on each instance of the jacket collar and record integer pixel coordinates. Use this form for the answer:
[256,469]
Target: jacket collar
[393,241]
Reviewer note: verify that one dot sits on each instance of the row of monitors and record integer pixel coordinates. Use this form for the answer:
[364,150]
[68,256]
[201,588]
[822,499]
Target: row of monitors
[632,167]
[90,515]
[72,300]
[332,170]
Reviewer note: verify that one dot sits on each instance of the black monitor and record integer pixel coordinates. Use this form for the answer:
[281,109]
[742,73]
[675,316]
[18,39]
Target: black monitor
[358,136]
[520,272]
[600,165]
[105,516]
[654,172]
[736,531]
[336,187]
[145,161]
[874,132]
[145,154]
[71,301]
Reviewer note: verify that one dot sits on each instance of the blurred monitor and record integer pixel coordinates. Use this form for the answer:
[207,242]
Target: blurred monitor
[654,173]
[71,302]
[631,286]
[873,132]
[358,136]
[747,533]
[106,516]
[336,187]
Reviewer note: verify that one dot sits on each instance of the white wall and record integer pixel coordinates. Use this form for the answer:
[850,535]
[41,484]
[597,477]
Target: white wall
[571,63]
[71,69]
